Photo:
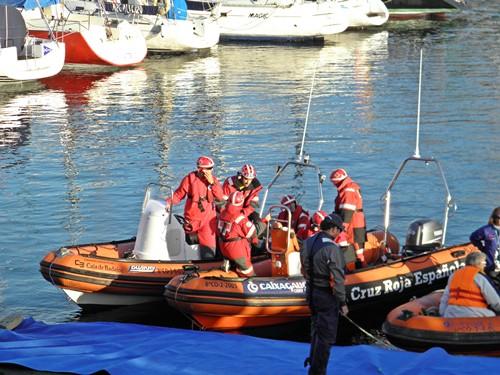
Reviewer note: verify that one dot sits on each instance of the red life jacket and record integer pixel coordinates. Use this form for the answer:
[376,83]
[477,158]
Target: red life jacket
[349,205]
[200,196]
[251,192]
[299,221]
[464,291]
[235,232]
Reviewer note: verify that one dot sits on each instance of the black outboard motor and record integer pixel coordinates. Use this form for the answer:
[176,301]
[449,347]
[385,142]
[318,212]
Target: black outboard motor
[423,235]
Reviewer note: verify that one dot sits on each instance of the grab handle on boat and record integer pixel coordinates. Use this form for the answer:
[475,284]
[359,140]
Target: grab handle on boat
[458,253]
[405,315]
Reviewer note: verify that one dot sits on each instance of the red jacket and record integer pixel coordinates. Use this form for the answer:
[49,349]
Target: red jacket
[200,196]
[251,192]
[300,221]
[235,233]
[349,205]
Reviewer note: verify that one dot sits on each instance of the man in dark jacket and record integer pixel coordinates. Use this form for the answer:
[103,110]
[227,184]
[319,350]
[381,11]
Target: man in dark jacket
[323,267]
[487,239]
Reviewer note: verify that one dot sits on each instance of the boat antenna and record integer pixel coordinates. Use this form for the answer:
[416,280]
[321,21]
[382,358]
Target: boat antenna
[301,153]
[417,150]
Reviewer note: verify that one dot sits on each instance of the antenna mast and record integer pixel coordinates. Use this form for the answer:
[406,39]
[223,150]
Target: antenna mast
[417,151]
[301,153]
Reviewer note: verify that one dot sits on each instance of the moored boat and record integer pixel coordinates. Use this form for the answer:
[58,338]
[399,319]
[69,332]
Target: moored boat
[416,325]
[90,38]
[167,27]
[281,20]
[365,13]
[423,9]
[24,58]
[126,272]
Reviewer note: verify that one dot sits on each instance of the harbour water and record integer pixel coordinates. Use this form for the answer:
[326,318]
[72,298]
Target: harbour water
[77,150]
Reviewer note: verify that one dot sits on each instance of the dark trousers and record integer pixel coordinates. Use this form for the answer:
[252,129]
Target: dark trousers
[324,321]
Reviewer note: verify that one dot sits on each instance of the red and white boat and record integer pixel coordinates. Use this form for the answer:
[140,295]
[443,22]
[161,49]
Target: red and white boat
[90,39]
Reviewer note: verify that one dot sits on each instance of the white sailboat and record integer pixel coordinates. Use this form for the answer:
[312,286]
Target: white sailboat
[23,58]
[166,25]
[90,38]
[281,20]
[365,13]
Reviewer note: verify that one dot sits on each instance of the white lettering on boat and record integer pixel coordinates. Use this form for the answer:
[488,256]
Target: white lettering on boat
[289,286]
[127,8]
[141,268]
[403,282]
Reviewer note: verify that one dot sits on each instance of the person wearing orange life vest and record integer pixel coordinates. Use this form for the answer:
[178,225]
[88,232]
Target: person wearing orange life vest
[200,188]
[469,292]
[247,183]
[235,233]
[349,205]
[299,219]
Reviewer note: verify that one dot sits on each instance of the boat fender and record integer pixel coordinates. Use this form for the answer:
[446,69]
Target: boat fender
[405,315]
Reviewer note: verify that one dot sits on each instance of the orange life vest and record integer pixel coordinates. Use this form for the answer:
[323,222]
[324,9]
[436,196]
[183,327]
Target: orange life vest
[464,291]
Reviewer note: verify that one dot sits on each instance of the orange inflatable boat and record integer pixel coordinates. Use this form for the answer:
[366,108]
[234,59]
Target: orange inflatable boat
[107,274]
[416,325]
[131,271]
[217,300]
[278,293]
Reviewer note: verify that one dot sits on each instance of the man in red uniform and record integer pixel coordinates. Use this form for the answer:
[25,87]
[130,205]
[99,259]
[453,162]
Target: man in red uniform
[201,188]
[235,232]
[314,227]
[300,217]
[349,205]
[247,183]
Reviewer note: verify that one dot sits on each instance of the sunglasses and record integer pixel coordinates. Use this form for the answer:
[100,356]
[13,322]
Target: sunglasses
[495,217]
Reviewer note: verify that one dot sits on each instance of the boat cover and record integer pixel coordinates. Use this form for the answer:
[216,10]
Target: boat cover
[29,4]
[12,28]
[122,348]
[178,10]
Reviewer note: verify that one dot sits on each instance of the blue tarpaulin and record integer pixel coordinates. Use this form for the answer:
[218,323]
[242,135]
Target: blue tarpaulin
[29,4]
[121,348]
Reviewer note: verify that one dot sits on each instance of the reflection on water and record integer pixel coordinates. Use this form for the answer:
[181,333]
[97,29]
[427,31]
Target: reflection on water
[76,155]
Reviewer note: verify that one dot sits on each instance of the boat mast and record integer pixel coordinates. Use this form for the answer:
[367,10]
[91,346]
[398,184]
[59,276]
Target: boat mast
[300,158]
[449,203]
[417,151]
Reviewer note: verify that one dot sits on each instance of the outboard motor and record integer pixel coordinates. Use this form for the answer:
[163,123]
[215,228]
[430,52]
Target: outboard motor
[423,235]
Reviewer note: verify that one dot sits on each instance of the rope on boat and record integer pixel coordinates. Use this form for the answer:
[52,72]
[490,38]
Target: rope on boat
[54,283]
[378,340]
[193,321]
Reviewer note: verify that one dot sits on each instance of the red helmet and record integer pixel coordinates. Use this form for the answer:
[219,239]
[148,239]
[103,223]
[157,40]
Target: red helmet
[288,199]
[338,175]
[248,171]
[318,217]
[204,162]
[236,198]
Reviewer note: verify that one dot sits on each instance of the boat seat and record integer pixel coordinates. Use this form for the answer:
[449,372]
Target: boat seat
[293,264]
[279,240]
[285,258]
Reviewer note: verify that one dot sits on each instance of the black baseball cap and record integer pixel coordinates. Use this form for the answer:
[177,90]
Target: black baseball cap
[331,221]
